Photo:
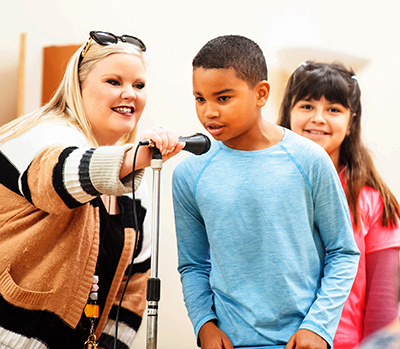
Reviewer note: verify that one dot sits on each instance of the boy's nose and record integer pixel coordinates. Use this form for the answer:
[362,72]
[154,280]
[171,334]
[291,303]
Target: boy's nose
[211,112]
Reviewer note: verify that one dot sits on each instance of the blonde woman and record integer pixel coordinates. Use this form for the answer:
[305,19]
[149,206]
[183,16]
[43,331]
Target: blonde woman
[67,231]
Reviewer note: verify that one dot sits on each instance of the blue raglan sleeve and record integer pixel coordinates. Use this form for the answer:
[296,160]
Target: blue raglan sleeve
[332,221]
[193,248]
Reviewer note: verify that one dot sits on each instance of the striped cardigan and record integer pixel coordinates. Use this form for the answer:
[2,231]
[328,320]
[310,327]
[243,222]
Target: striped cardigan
[49,238]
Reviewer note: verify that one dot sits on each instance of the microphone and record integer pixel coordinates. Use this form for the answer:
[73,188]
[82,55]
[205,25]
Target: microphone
[197,144]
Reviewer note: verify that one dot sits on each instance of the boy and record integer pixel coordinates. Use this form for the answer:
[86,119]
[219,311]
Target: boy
[266,250]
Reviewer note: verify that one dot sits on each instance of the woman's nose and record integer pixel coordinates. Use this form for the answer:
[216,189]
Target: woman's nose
[128,93]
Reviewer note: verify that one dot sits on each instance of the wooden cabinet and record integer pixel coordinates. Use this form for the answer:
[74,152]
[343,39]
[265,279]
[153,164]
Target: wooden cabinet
[55,60]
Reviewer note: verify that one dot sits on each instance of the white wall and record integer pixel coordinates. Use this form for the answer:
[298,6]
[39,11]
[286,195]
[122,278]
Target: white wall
[174,31]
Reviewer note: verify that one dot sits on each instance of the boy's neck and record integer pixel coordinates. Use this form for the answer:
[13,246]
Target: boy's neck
[267,135]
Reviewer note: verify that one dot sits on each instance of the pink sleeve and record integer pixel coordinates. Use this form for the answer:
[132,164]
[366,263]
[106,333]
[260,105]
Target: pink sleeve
[378,237]
[381,299]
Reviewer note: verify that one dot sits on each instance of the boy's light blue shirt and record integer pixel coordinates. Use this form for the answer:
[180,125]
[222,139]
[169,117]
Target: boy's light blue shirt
[265,241]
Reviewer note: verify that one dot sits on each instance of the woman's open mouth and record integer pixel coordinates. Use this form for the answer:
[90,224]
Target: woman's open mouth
[124,110]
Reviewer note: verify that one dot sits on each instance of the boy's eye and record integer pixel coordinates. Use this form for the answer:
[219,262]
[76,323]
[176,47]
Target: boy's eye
[224,98]
[199,99]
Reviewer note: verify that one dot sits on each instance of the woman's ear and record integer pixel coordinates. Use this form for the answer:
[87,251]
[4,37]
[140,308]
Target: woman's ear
[262,90]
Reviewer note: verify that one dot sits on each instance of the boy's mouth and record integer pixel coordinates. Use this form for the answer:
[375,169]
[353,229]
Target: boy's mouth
[214,129]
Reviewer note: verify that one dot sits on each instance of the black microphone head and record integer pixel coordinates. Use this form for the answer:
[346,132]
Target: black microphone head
[197,144]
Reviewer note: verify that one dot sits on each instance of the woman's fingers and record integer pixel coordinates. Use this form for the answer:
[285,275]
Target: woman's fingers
[164,139]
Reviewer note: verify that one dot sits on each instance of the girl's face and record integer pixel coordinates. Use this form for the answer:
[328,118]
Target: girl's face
[114,96]
[323,122]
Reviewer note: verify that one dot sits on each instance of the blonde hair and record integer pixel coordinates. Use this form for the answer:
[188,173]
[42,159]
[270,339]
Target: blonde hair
[67,104]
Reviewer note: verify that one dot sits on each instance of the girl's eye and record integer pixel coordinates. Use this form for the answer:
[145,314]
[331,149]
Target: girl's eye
[113,82]
[338,109]
[306,106]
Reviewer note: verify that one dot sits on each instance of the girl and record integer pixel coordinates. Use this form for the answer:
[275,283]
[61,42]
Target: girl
[322,102]
[66,222]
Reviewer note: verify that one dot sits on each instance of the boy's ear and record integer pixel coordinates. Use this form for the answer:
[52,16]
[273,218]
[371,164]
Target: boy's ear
[262,90]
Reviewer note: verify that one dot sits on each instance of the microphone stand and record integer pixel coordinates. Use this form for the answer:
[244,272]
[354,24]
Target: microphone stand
[196,144]
[154,283]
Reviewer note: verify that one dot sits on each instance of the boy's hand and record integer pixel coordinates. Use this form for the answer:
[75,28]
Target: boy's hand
[305,339]
[211,337]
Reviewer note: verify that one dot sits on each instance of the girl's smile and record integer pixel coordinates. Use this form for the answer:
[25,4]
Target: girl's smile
[317,132]
[323,122]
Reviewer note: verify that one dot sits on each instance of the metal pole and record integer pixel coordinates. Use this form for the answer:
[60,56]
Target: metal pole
[154,283]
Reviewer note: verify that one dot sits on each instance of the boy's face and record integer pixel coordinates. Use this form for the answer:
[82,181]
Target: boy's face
[227,107]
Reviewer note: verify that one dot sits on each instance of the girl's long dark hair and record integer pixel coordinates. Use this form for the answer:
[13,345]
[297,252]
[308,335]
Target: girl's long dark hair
[311,81]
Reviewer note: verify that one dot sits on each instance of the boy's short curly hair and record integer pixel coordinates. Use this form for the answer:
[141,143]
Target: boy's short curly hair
[234,52]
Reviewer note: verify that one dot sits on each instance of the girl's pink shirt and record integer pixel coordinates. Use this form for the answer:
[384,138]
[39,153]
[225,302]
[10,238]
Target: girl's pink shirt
[370,237]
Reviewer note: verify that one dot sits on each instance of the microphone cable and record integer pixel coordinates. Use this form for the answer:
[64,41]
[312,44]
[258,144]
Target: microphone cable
[196,144]
[136,228]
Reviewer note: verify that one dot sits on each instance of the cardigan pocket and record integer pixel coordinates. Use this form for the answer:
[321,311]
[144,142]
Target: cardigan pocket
[18,296]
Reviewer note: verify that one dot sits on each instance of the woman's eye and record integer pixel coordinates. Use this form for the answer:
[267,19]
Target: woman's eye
[113,82]
[140,86]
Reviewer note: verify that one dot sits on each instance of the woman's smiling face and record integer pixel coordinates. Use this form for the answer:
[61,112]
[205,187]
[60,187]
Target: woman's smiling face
[114,96]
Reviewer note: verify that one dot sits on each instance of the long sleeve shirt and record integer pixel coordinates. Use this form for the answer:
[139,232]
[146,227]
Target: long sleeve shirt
[265,241]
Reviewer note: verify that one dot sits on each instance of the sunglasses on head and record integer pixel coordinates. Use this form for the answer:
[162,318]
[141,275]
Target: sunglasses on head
[105,38]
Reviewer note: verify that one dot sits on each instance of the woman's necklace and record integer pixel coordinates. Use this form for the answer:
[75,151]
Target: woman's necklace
[92,312]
